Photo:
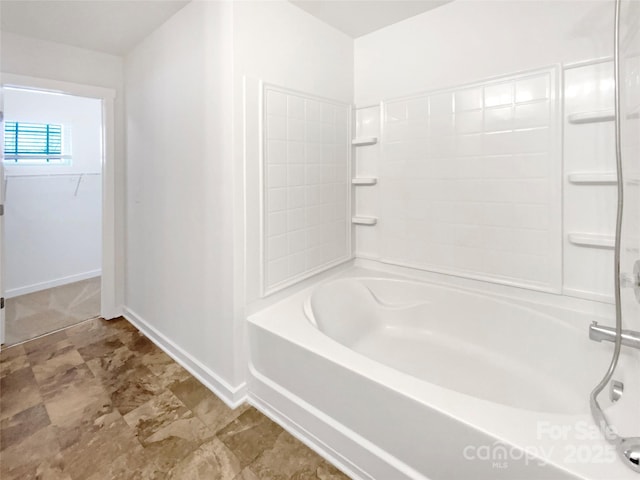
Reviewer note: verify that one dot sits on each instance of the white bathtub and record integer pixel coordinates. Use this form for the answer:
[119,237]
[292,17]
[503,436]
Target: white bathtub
[392,378]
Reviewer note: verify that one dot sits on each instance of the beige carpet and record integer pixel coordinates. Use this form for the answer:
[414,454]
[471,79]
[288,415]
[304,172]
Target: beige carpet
[32,315]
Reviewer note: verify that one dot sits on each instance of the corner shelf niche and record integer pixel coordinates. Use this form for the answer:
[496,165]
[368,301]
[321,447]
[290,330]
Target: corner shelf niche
[363,181]
[592,240]
[369,221]
[363,141]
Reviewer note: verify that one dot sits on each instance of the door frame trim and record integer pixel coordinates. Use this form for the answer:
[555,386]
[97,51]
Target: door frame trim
[109,307]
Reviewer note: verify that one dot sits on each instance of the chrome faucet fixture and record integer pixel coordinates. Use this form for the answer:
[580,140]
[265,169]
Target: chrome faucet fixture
[629,338]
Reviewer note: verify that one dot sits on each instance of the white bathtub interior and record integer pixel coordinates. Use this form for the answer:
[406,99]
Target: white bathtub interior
[445,336]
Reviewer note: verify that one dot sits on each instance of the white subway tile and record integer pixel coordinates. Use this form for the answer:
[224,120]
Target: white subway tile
[469,122]
[276,151]
[277,270]
[440,104]
[297,264]
[532,88]
[295,152]
[469,99]
[395,111]
[297,241]
[313,152]
[296,196]
[277,176]
[313,110]
[277,247]
[498,119]
[328,113]
[532,115]
[499,94]
[295,175]
[276,127]
[295,107]
[296,219]
[276,103]
[277,199]
[276,223]
[313,132]
[295,129]
[418,109]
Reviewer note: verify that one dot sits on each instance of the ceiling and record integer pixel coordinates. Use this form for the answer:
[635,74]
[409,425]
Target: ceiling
[116,26]
[359,17]
[110,26]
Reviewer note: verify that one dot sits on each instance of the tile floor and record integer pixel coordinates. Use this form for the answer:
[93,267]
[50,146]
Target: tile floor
[29,316]
[99,401]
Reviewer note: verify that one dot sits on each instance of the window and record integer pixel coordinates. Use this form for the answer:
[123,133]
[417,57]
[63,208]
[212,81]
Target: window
[34,143]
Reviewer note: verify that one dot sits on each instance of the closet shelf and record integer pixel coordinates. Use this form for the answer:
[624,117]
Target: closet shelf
[592,240]
[362,141]
[593,178]
[364,181]
[592,117]
[364,220]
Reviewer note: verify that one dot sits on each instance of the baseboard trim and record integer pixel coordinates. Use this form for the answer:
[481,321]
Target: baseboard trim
[56,282]
[232,396]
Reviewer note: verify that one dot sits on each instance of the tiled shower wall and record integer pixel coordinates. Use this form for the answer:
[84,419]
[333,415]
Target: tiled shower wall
[469,181]
[305,186]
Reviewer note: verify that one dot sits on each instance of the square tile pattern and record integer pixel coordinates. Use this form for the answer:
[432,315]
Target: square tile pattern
[306,184]
[469,181]
[100,401]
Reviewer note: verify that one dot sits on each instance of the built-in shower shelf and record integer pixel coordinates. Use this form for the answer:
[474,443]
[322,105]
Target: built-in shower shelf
[363,141]
[592,240]
[593,178]
[364,181]
[370,221]
[592,117]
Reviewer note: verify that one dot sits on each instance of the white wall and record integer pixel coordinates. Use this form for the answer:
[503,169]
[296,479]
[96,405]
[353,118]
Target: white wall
[180,266]
[21,55]
[468,40]
[53,212]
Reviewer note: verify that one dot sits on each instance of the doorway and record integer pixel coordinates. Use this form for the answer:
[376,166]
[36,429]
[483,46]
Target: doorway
[57,192]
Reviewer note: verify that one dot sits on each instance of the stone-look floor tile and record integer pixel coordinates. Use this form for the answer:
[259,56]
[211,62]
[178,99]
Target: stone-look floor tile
[82,426]
[136,387]
[90,331]
[209,408]
[101,349]
[291,459]
[19,392]
[15,429]
[249,435]
[246,474]
[212,460]
[12,359]
[55,360]
[67,393]
[111,369]
[155,414]
[130,412]
[164,367]
[83,459]
[136,464]
[38,452]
